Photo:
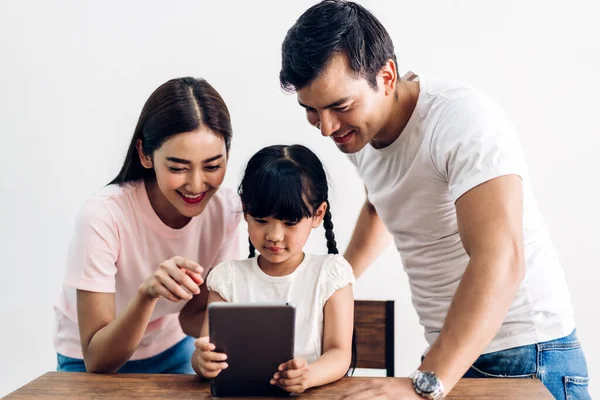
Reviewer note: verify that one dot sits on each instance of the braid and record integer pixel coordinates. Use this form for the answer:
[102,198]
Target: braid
[251,247]
[329,235]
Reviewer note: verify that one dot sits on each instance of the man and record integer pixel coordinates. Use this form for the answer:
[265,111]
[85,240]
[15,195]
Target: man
[445,174]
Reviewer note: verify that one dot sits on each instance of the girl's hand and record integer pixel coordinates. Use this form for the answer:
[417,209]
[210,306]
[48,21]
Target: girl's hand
[292,376]
[175,279]
[205,361]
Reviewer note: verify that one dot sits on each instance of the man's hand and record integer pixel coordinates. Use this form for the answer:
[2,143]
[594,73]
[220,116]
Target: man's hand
[292,376]
[383,389]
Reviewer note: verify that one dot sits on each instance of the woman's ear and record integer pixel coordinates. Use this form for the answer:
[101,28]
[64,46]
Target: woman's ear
[319,215]
[145,159]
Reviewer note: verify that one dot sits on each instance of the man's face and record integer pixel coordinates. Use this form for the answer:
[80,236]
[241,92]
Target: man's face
[344,107]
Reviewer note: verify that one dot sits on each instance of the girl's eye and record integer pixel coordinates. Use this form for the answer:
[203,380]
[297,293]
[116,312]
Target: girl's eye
[260,221]
[173,169]
[291,223]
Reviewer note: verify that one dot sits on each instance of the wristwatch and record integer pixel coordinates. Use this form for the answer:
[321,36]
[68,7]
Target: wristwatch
[427,385]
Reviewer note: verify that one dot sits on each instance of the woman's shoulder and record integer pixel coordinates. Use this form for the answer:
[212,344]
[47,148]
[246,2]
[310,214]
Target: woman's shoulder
[108,201]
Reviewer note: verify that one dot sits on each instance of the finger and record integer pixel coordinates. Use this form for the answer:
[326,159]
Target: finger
[167,281]
[289,373]
[294,363]
[189,265]
[160,291]
[212,356]
[201,340]
[182,278]
[290,382]
[212,366]
[195,276]
[209,374]
[206,347]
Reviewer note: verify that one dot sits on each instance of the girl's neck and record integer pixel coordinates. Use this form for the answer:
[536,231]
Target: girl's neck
[167,213]
[284,268]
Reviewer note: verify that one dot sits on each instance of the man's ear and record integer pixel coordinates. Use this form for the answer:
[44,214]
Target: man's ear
[145,159]
[388,77]
[319,215]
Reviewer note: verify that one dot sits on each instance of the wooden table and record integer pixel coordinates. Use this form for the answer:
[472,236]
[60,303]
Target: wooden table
[78,385]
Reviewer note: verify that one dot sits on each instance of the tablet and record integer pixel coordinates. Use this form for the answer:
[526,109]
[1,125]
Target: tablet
[257,338]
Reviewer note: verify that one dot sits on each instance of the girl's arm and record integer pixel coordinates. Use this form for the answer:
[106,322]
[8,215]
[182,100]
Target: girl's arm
[338,324]
[296,375]
[191,317]
[205,361]
[108,340]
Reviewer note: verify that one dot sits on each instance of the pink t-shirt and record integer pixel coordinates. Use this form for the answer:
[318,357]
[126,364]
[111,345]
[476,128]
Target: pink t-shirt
[119,241]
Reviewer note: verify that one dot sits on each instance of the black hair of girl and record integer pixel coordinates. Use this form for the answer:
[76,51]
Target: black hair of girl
[177,106]
[288,183]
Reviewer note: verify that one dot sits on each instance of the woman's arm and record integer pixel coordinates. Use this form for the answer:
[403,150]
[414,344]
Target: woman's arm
[108,340]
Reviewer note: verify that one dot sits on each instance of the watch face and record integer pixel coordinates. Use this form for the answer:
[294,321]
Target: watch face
[427,382]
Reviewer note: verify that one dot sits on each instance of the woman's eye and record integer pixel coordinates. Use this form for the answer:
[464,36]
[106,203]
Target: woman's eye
[173,169]
[213,167]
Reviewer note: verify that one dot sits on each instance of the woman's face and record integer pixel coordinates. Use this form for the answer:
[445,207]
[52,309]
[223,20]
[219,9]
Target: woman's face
[189,169]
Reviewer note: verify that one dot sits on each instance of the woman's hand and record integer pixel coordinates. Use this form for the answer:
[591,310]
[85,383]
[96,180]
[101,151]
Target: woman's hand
[205,361]
[175,279]
[292,376]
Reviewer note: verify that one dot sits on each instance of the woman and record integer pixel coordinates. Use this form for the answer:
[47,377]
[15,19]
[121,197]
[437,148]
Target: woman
[133,292]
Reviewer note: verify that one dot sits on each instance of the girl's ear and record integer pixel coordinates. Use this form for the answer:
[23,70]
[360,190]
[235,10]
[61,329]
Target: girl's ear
[145,159]
[319,215]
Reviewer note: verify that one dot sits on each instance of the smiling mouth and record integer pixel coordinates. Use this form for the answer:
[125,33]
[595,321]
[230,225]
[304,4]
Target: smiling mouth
[192,198]
[343,139]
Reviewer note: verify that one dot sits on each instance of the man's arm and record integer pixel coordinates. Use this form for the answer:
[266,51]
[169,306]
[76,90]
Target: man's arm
[490,224]
[368,240]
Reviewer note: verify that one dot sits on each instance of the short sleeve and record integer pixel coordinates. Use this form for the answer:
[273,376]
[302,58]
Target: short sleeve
[220,280]
[336,274]
[94,249]
[474,142]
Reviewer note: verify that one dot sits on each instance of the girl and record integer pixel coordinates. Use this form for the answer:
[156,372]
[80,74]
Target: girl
[144,243]
[284,196]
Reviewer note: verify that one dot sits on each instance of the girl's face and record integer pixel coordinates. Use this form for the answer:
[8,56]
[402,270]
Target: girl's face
[281,241]
[189,169]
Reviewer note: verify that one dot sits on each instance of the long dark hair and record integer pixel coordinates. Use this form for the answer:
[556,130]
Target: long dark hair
[288,183]
[177,106]
[328,28]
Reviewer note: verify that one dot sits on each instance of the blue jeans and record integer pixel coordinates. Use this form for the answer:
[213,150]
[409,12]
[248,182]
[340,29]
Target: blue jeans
[560,365]
[175,360]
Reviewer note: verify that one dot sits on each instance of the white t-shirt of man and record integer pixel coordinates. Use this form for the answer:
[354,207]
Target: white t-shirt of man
[456,139]
[308,288]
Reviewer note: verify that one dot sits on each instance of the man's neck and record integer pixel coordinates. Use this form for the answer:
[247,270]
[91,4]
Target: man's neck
[401,109]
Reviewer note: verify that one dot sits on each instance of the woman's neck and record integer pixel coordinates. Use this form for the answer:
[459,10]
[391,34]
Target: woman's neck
[167,213]
[280,269]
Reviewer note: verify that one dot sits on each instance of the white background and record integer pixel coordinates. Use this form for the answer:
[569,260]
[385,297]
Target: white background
[75,74]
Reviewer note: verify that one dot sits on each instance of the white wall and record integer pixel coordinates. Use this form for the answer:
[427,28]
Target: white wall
[75,74]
